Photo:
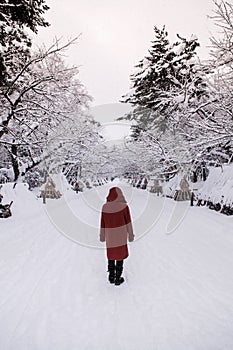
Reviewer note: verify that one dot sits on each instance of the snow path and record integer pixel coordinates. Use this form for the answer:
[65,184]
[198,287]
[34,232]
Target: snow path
[54,293]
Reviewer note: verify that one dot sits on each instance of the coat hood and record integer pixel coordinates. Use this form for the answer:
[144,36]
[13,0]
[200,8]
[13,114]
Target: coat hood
[115,195]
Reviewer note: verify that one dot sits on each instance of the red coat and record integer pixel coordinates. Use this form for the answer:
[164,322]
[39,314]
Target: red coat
[116,225]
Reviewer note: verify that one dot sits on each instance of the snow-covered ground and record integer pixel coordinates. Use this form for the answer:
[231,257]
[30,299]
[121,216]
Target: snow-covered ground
[54,293]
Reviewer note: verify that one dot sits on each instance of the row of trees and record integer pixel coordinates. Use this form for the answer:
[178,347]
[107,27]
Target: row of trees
[44,120]
[183,108]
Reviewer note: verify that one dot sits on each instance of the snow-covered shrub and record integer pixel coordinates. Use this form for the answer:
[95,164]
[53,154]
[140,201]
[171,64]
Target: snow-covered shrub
[171,186]
[218,188]
[6,175]
[34,178]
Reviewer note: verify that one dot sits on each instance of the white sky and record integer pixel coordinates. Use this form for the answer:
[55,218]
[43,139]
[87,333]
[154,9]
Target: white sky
[116,34]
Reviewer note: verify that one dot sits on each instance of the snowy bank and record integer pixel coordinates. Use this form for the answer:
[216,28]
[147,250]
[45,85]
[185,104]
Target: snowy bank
[218,188]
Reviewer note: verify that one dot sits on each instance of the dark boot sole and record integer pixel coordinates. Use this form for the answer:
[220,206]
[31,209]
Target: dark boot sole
[118,283]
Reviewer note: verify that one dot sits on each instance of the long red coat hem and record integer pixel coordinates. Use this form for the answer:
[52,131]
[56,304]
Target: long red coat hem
[118,253]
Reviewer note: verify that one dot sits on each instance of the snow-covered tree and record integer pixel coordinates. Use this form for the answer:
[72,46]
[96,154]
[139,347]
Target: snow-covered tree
[164,155]
[167,80]
[169,83]
[209,126]
[73,146]
[15,44]
[44,96]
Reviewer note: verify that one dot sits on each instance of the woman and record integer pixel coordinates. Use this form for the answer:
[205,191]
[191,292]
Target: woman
[116,227]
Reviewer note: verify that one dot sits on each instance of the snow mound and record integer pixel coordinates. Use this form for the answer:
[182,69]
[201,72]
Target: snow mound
[22,199]
[170,187]
[219,185]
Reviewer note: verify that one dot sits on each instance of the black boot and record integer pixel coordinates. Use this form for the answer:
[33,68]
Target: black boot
[112,271]
[119,268]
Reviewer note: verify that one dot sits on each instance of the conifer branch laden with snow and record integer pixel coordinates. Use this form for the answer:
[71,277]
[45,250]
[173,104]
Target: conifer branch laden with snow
[15,43]
[165,79]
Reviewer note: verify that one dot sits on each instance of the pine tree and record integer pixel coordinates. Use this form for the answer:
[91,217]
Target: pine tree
[147,75]
[165,79]
[15,43]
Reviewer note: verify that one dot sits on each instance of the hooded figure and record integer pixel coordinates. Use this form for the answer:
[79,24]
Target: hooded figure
[116,229]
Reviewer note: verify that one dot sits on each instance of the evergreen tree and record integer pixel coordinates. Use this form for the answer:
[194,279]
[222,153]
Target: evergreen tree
[145,79]
[165,80]
[15,44]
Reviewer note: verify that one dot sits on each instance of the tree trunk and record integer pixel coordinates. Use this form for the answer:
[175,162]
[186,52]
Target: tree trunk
[14,160]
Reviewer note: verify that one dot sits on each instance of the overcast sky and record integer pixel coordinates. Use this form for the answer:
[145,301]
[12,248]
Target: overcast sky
[116,34]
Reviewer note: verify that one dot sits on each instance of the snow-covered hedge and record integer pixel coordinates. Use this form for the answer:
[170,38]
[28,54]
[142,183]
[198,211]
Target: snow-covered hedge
[218,188]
